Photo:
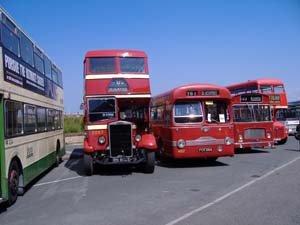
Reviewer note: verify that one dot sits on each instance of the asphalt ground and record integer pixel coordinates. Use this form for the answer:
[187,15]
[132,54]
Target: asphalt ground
[260,186]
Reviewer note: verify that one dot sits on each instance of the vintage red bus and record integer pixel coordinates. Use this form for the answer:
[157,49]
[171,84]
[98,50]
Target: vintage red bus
[116,117]
[193,121]
[275,90]
[253,124]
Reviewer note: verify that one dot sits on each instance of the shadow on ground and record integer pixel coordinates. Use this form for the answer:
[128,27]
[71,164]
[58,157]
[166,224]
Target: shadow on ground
[75,163]
[251,151]
[188,163]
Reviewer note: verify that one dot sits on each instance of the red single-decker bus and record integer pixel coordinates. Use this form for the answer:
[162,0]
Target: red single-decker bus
[193,121]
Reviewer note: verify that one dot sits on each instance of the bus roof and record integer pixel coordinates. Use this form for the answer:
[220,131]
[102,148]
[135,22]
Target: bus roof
[265,81]
[181,91]
[116,52]
[2,10]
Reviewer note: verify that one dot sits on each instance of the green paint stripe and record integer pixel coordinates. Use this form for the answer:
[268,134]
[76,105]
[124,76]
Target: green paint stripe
[3,180]
[38,167]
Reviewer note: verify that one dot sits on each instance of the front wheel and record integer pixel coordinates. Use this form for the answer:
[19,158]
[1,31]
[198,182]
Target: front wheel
[88,164]
[149,165]
[13,182]
[282,141]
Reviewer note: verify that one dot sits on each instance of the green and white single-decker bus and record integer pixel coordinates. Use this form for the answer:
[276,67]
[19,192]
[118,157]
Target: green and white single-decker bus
[31,110]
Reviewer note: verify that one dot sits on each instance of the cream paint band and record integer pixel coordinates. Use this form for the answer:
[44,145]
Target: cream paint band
[121,96]
[119,75]
[101,127]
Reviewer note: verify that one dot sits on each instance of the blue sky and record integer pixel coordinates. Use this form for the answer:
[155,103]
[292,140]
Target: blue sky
[187,41]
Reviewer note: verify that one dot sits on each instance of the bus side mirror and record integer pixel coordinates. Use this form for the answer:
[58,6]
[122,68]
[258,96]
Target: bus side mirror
[82,106]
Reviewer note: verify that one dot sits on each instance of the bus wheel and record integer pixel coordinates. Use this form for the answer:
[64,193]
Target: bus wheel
[282,141]
[13,182]
[149,165]
[88,164]
[58,157]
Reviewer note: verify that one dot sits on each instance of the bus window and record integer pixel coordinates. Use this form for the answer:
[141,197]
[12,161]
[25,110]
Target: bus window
[39,63]
[29,119]
[132,65]
[13,118]
[102,65]
[216,112]
[48,68]
[26,49]
[50,119]
[188,112]
[10,40]
[278,89]
[242,113]
[41,119]
[101,109]
[262,113]
[265,88]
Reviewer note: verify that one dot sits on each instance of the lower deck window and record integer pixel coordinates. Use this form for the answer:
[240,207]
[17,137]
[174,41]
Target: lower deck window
[188,112]
[13,118]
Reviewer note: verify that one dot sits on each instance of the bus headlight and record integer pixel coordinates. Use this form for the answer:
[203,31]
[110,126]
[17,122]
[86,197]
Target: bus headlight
[180,143]
[138,138]
[228,141]
[268,135]
[101,140]
[240,138]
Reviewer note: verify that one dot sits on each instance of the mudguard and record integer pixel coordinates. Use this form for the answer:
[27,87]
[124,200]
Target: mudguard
[148,142]
[86,147]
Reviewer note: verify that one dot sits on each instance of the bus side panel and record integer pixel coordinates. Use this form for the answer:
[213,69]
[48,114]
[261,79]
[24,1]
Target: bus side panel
[198,143]
[37,153]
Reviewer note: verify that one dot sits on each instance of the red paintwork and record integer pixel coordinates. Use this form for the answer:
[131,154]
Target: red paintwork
[148,142]
[265,81]
[99,87]
[169,132]
[241,127]
[283,102]
[136,86]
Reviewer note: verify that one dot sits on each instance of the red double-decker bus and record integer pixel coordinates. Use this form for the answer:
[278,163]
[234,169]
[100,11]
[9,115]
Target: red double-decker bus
[116,117]
[277,96]
[193,121]
[253,124]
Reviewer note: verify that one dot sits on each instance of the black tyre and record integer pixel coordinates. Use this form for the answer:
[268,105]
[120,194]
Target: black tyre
[88,164]
[13,182]
[282,141]
[149,165]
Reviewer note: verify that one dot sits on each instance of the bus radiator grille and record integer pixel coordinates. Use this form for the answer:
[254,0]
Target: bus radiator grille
[254,133]
[120,139]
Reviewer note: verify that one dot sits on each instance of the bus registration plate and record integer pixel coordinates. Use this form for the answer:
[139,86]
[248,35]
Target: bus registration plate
[205,150]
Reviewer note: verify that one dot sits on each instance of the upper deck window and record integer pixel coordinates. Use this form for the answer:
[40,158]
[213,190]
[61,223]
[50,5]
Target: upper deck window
[101,109]
[188,112]
[26,49]
[102,65]
[278,89]
[265,88]
[132,65]
[10,40]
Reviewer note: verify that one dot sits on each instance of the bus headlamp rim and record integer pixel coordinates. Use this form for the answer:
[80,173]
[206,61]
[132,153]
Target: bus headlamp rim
[180,143]
[101,140]
[138,138]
